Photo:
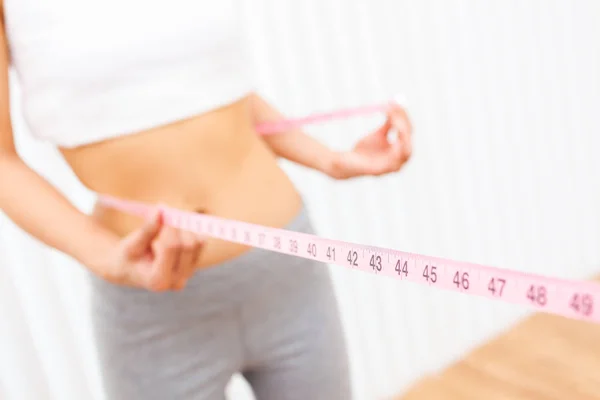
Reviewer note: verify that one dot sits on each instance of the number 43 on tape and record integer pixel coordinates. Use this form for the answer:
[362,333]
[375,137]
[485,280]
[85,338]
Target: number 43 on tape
[568,298]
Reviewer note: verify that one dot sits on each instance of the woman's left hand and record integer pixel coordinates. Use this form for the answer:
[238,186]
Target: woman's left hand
[374,154]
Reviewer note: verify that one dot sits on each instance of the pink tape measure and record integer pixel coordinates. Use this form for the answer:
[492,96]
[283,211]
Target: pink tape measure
[568,298]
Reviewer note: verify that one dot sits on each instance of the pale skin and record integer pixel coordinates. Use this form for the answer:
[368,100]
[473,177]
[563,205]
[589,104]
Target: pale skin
[169,165]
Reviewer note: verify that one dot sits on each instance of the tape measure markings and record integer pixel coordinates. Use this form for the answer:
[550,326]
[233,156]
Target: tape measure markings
[568,298]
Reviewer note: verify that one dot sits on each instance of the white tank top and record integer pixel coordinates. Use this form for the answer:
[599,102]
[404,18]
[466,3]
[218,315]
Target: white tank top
[94,70]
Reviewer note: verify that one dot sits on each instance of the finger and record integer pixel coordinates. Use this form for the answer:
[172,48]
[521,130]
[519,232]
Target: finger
[392,160]
[137,243]
[383,130]
[408,145]
[407,150]
[400,117]
[189,253]
[405,141]
[189,257]
[379,137]
[167,249]
[402,124]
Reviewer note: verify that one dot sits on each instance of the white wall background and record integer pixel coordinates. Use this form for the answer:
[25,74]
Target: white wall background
[505,98]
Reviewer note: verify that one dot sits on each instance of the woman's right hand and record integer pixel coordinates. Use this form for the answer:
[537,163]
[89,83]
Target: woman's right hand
[156,257]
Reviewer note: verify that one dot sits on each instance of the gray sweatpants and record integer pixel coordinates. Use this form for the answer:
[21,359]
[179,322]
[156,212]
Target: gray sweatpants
[272,317]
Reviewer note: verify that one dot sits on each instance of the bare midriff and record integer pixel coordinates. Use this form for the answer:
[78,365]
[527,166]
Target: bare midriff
[213,163]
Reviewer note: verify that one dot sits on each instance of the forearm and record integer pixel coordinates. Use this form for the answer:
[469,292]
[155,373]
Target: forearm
[40,210]
[294,145]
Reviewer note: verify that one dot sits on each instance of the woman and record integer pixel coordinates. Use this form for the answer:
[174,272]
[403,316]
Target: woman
[151,101]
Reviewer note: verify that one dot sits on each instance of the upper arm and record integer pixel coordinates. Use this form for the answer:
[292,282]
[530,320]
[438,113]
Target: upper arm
[7,144]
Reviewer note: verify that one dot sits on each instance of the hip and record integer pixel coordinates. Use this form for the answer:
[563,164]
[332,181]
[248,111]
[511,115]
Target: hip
[258,276]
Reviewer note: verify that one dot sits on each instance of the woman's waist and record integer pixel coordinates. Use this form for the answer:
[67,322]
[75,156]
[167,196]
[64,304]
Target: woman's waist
[215,163]
[214,290]
[249,186]
[257,194]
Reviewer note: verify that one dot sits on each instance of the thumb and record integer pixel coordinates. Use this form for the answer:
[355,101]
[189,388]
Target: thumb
[383,130]
[138,241]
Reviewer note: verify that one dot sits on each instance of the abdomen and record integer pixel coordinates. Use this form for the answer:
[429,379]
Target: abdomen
[213,163]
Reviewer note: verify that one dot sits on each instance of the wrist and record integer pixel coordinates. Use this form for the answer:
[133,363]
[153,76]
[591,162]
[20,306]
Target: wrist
[96,250]
[332,165]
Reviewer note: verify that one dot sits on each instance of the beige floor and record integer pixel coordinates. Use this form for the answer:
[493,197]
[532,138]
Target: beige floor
[542,358]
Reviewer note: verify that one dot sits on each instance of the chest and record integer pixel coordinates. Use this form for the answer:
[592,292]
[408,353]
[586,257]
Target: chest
[90,38]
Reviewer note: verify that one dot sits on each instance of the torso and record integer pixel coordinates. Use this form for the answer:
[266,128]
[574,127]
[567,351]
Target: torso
[213,163]
[153,109]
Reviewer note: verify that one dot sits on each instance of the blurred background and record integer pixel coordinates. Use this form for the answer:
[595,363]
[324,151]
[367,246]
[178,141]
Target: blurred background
[505,98]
